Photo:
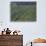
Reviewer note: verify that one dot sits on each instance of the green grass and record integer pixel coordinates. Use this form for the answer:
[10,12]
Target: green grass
[23,12]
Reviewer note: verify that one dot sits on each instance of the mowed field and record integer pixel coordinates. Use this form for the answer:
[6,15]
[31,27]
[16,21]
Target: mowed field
[23,12]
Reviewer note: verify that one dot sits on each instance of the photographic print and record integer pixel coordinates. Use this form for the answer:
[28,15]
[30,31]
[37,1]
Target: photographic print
[23,11]
[22,23]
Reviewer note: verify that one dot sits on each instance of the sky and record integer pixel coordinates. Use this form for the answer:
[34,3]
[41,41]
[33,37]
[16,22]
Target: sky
[31,30]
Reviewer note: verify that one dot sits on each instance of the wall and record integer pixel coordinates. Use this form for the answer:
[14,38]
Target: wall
[11,40]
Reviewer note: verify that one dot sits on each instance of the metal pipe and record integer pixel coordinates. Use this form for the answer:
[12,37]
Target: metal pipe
[31,43]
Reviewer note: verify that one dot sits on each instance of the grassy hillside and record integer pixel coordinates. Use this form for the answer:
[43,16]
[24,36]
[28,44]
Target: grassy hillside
[23,12]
